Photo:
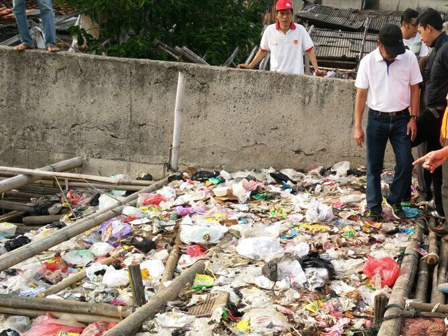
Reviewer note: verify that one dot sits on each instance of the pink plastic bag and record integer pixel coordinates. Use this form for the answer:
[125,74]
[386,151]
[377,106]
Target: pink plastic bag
[48,324]
[98,328]
[387,268]
[150,199]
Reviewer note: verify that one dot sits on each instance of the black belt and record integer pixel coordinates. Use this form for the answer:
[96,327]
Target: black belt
[388,114]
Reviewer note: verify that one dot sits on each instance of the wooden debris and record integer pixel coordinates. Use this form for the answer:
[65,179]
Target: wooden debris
[138,290]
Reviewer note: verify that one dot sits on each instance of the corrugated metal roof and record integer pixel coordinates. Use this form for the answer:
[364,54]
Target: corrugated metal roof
[348,19]
[333,44]
[6,15]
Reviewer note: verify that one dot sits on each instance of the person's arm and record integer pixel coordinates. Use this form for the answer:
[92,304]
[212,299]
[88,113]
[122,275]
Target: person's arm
[415,100]
[313,60]
[361,98]
[434,159]
[257,59]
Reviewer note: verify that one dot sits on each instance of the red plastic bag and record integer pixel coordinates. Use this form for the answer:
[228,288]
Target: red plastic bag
[387,268]
[195,251]
[150,199]
[48,324]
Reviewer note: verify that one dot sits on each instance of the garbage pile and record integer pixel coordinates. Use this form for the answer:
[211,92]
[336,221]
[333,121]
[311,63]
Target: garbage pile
[299,258]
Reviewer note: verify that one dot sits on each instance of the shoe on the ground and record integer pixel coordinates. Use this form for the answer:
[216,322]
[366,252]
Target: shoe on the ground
[374,216]
[443,287]
[436,214]
[398,211]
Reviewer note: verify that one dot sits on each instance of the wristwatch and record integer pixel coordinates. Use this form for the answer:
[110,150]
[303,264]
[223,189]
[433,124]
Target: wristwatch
[414,117]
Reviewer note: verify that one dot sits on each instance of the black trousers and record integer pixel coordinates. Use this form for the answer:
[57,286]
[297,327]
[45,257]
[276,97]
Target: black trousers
[428,129]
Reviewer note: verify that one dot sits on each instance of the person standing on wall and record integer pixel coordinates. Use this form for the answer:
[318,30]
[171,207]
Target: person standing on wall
[47,15]
[388,81]
[287,41]
[435,77]
[411,37]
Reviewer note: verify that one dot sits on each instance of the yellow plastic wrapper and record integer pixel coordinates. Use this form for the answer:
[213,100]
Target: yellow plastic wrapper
[314,306]
[203,281]
[316,227]
[243,325]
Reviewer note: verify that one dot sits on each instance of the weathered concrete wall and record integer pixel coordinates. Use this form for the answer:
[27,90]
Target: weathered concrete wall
[119,114]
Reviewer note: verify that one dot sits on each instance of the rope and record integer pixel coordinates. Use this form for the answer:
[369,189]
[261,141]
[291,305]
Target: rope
[435,308]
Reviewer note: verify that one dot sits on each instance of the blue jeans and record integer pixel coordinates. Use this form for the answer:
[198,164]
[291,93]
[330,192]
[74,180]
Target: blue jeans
[379,130]
[47,15]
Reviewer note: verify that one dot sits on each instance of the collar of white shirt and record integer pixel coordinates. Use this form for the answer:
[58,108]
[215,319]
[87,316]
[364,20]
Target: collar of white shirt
[379,57]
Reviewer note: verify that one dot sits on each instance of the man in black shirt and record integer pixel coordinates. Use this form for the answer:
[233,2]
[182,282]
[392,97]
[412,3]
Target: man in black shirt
[435,81]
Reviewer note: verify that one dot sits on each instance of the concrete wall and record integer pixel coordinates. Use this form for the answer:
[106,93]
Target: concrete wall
[400,5]
[118,113]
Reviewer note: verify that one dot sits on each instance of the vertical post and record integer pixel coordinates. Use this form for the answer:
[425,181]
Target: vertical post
[174,158]
[138,290]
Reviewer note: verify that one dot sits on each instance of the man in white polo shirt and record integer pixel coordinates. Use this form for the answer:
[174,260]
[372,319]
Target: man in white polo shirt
[411,38]
[287,41]
[388,80]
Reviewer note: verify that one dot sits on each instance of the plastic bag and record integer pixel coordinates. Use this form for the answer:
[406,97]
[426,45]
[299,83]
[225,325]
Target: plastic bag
[100,249]
[341,168]
[240,192]
[352,198]
[18,323]
[319,213]
[267,320]
[7,228]
[204,233]
[195,251]
[93,271]
[106,201]
[155,268]
[79,257]
[150,199]
[115,278]
[264,248]
[387,268]
[98,328]
[49,325]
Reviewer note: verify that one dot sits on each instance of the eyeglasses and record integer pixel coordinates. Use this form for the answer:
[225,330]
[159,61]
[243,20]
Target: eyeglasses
[413,24]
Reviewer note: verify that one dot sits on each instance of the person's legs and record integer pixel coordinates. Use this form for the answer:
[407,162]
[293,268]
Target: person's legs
[424,190]
[19,11]
[376,140]
[47,15]
[401,144]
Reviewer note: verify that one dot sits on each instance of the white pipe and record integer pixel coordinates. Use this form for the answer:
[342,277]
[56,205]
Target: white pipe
[177,121]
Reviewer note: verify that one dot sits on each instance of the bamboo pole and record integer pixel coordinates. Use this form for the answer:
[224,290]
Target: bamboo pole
[421,292]
[83,318]
[40,220]
[19,195]
[85,185]
[402,287]
[171,263]
[22,180]
[131,325]
[428,307]
[74,278]
[433,251]
[27,251]
[41,173]
[11,215]
[16,206]
[66,306]
[440,277]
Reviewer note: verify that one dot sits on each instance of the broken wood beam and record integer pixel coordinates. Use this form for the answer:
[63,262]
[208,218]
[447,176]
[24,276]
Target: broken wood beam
[34,248]
[138,290]
[22,180]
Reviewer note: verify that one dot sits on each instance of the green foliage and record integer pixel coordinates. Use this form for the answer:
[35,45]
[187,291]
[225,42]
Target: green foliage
[211,28]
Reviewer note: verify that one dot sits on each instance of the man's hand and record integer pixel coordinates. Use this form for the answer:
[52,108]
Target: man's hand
[244,66]
[359,136]
[432,160]
[412,129]
[320,73]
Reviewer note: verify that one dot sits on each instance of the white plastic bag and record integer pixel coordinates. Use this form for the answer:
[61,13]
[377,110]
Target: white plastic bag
[100,249]
[115,278]
[341,168]
[239,191]
[92,269]
[203,233]
[106,200]
[319,213]
[264,248]
[155,268]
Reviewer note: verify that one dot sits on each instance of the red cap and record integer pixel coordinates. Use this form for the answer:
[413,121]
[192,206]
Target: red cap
[283,4]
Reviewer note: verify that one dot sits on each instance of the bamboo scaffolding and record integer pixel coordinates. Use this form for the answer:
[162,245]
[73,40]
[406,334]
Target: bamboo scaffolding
[74,278]
[402,287]
[440,276]
[41,173]
[16,206]
[22,180]
[27,251]
[66,306]
[83,318]
[428,307]
[11,215]
[433,251]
